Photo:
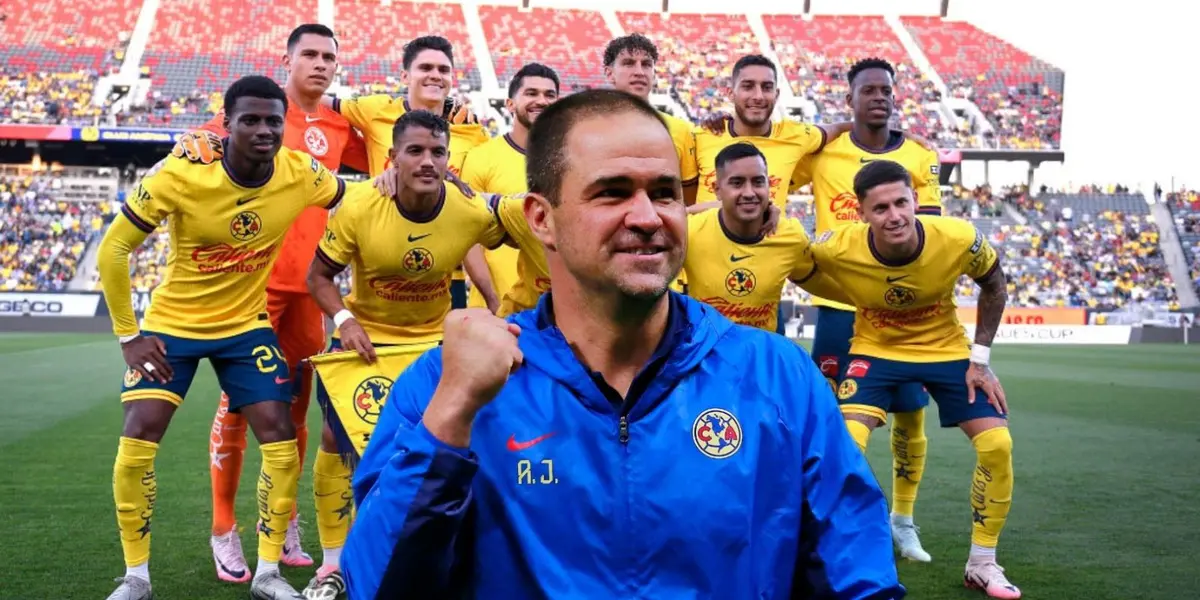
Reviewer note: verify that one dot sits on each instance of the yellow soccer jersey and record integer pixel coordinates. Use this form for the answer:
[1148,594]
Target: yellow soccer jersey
[533,274]
[685,145]
[375,115]
[401,265]
[744,278]
[788,143]
[906,312]
[832,174]
[497,166]
[225,235]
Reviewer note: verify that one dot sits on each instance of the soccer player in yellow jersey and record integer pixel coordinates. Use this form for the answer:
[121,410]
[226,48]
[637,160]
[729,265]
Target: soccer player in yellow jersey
[498,167]
[731,264]
[832,174]
[429,74]
[900,271]
[629,63]
[403,251]
[226,221]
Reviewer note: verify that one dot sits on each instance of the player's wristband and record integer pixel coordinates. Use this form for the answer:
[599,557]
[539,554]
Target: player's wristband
[342,316]
[980,354]
[125,339]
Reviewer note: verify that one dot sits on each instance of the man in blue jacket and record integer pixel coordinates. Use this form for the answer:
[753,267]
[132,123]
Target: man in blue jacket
[618,440]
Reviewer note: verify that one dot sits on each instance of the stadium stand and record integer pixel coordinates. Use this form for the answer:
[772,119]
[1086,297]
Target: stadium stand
[696,55]
[817,53]
[1185,208]
[44,234]
[1023,99]
[569,40]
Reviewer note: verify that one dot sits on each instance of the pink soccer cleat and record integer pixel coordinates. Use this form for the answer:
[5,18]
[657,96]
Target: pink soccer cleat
[989,577]
[293,554]
[231,562]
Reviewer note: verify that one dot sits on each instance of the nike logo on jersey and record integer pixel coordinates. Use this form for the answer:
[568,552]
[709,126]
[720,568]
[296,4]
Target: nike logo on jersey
[895,279]
[865,160]
[246,200]
[515,446]
[281,381]
[413,238]
[734,258]
[311,119]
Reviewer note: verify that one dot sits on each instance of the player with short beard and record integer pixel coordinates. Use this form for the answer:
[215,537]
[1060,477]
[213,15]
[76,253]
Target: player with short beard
[832,171]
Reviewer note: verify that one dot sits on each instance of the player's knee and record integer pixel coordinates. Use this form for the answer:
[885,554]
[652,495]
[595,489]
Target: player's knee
[871,421]
[270,421]
[147,420]
[993,445]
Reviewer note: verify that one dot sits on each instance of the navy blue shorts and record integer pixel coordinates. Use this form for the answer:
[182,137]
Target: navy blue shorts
[874,382]
[458,293]
[780,322]
[831,349]
[250,368]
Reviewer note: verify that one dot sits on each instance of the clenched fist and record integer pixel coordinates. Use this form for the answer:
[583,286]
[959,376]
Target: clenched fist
[479,352]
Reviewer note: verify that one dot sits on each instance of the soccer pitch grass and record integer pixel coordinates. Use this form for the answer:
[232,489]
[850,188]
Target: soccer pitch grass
[1107,458]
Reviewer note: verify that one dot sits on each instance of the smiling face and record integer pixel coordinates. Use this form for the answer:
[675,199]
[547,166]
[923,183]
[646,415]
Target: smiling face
[754,95]
[744,189]
[311,64]
[429,78]
[619,223]
[890,211]
[531,98]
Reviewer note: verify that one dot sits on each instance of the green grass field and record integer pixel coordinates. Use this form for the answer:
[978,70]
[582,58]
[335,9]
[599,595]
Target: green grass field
[1107,444]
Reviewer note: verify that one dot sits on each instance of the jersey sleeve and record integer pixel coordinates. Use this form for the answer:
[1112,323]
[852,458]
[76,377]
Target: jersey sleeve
[463,139]
[354,155]
[685,145]
[338,245]
[810,137]
[360,111]
[980,258]
[154,197]
[928,184]
[803,264]
[475,171]
[510,212]
[327,189]
[112,262]
[493,234]
[802,174]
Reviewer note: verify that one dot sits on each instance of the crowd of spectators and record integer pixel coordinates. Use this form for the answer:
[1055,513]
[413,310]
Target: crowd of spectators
[1185,206]
[1026,117]
[47,98]
[43,238]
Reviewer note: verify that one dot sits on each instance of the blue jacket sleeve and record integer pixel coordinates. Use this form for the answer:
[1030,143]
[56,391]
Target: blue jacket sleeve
[845,549]
[413,493]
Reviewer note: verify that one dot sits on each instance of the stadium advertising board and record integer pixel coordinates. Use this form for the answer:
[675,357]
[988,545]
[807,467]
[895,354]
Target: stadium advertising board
[34,304]
[1036,315]
[137,135]
[1060,334]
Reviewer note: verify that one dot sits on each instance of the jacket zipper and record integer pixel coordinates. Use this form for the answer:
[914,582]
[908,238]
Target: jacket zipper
[624,430]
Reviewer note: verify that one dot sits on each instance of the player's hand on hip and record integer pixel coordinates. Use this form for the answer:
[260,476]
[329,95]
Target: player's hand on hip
[388,182]
[982,377]
[199,146]
[354,338]
[715,122]
[147,355]
[771,220]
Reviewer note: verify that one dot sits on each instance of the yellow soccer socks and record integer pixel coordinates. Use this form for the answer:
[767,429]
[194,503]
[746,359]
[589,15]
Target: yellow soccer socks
[334,499]
[991,490]
[908,459]
[860,433]
[277,482]
[135,489]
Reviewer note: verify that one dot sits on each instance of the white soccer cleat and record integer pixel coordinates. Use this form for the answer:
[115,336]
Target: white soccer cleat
[227,554]
[272,586]
[131,588]
[293,554]
[327,585]
[908,542]
[989,577]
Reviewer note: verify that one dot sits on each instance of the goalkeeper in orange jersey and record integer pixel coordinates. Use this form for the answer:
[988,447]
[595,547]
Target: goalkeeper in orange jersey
[310,62]
[227,221]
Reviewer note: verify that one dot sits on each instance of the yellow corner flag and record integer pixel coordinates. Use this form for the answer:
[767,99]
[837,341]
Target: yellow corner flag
[355,391]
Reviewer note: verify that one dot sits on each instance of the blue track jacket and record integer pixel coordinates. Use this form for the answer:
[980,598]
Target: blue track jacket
[727,473]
